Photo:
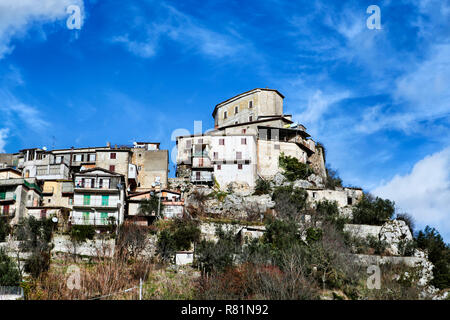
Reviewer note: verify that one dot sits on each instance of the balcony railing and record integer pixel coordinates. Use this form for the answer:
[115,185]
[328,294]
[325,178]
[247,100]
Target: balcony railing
[67,188]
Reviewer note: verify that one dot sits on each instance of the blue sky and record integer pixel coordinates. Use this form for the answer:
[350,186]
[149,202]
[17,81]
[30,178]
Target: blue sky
[139,70]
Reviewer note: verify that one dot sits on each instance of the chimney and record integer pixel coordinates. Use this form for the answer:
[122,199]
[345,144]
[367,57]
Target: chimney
[115,146]
[108,144]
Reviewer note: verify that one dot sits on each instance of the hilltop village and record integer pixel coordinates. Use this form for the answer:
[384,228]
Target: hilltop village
[251,199]
[100,185]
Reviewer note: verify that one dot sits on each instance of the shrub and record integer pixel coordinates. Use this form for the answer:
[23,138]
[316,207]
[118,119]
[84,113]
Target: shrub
[333,179]
[5,229]
[179,235]
[262,187]
[217,256]
[9,273]
[289,201]
[373,211]
[329,212]
[35,236]
[148,206]
[294,169]
[81,233]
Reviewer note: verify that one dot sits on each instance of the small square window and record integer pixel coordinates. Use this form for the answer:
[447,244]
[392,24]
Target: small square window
[219,167]
[112,155]
[236,109]
[239,166]
[238,155]
[221,142]
[250,104]
[243,141]
[112,168]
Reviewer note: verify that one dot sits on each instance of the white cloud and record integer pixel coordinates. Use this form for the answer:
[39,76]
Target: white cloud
[424,192]
[18,16]
[182,28]
[3,135]
[13,110]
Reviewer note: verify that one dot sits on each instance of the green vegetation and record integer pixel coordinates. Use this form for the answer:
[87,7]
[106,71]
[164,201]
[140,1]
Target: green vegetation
[9,273]
[373,211]
[178,235]
[262,187]
[290,202]
[294,169]
[35,236]
[81,233]
[150,205]
[4,229]
[438,253]
[333,179]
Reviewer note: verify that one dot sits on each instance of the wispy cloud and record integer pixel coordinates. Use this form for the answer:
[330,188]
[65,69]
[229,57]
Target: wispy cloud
[145,37]
[18,16]
[3,135]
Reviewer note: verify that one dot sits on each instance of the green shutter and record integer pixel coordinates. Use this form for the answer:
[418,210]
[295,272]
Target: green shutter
[86,217]
[87,199]
[104,217]
[105,200]
[2,195]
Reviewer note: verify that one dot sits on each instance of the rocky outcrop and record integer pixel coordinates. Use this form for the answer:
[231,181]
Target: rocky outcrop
[395,233]
[316,180]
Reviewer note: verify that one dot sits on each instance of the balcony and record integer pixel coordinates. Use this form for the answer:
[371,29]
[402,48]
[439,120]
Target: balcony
[67,187]
[202,177]
[309,144]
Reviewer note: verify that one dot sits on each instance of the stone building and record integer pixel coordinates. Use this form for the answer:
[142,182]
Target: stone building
[257,116]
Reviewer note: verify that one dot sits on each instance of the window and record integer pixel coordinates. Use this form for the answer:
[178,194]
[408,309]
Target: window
[219,167]
[82,182]
[112,168]
[87,199]
[216,155]
[238,155]
[240,166]
[100,183]
[49,200]
[349,201]
[86,217]
[236,109]
[200,141]
[250,104]
[244,130]
[112,155]
[200,162]
[188,144]
[224,114]
[243,141]
[77,157]
[250,119]
[104,217]
[105,200]
[2,195]
[314,194]
[92,158]
[221,142]
[92,183]
[236,122]
[197,176]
